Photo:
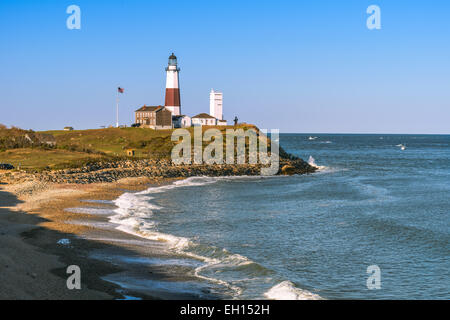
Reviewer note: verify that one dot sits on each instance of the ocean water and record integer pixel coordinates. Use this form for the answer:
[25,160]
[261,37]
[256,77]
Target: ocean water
[314,236]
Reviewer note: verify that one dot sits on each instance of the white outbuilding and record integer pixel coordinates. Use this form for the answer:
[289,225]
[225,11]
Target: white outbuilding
[203,119]
[181,121]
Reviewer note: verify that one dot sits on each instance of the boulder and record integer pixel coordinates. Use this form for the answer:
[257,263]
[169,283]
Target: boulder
[288,170]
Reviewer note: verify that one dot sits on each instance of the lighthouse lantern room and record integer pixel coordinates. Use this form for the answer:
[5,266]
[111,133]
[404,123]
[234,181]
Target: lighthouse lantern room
[173,102]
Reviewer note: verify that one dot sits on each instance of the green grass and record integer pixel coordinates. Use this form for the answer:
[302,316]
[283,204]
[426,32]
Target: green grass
[115,141]
[76,148]
[38,159]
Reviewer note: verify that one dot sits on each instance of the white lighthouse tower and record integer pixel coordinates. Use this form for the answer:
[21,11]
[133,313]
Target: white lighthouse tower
[173,102]
[216,104]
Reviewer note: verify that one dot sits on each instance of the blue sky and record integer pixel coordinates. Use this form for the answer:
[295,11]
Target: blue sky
[300,66]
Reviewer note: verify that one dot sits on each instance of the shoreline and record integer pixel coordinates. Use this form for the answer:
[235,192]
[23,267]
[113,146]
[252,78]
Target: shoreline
[34,217]
[43,206]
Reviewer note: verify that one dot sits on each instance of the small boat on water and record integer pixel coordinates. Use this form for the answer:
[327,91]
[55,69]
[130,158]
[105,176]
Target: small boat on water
[312,138]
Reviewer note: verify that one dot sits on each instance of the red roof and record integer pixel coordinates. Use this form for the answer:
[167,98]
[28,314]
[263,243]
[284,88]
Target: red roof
[149,108]
[203,116]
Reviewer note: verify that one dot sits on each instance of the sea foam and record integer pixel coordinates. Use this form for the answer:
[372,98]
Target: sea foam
[286,290]
[312,162]
[133,216]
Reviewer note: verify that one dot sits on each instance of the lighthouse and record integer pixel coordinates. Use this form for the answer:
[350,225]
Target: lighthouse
[172,87]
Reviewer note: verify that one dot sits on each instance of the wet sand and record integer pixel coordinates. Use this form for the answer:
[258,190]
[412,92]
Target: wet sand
[34,217]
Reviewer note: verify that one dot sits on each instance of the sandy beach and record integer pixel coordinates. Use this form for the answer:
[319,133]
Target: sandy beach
[34,218]
[54,219]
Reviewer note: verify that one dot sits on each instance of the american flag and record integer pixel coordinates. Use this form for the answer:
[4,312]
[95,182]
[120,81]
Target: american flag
[121,90]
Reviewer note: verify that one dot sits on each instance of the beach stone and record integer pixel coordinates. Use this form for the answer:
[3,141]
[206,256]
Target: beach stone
[116,170]
[288,170]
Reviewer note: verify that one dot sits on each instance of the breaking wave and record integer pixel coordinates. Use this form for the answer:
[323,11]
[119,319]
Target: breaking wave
[133,216]
[286,290]
[312,162]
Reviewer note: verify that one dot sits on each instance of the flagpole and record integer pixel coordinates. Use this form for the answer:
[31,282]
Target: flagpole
[117,109]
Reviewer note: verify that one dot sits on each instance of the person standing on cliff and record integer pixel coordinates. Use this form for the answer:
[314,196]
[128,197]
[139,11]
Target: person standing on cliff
[235,121]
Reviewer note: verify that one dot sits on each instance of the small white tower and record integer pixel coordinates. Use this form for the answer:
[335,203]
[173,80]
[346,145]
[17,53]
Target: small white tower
[173,102]
[215,104]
